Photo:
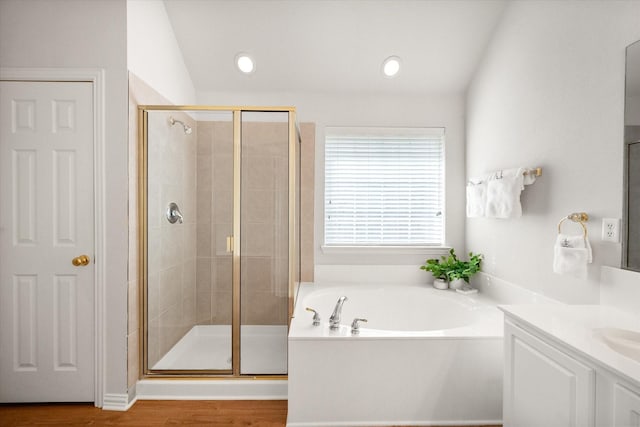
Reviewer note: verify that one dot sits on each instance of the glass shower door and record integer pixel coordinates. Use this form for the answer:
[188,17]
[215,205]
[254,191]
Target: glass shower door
[219,254]
[189,269]
[264,222]
[215,227]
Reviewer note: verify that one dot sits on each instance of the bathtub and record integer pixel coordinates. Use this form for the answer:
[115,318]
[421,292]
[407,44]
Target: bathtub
[424,357]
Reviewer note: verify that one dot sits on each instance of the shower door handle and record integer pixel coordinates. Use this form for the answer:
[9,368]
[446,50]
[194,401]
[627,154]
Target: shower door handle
[229,244]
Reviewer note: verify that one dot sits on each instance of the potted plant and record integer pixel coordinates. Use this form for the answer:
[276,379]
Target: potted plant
[450,268]
[440,269]
[439,273]
[461,271]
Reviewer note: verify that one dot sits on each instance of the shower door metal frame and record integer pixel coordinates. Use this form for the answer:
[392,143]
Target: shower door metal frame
[293,230]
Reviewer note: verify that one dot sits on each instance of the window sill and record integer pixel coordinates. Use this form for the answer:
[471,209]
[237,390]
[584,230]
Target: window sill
[382,250]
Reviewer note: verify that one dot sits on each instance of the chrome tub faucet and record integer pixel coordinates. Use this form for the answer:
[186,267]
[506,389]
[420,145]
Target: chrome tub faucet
[334,320]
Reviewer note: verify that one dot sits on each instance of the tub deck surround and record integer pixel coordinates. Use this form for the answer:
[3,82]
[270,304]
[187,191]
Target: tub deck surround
[395,311]
[424,357]
[576,327]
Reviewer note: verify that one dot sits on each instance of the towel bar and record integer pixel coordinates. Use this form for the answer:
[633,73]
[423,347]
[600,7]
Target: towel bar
[534,172]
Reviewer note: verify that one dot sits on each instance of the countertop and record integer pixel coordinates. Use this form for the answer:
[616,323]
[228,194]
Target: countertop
[576,326]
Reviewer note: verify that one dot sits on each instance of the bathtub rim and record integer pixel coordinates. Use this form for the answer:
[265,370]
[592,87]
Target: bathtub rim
[489,326]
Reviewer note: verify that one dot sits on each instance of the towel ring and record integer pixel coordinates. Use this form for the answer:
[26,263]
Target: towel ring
[580,218]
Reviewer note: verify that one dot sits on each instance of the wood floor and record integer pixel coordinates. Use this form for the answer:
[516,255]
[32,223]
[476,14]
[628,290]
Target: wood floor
[148,413]
[145,413]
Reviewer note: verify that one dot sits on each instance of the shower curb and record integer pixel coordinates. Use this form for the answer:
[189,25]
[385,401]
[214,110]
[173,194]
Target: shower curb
[249,389]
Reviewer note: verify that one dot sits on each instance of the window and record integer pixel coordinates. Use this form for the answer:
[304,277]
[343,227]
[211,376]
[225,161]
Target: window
[384,186]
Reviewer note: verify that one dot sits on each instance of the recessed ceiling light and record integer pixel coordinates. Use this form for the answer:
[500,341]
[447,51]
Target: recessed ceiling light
[391,66]
[245,63]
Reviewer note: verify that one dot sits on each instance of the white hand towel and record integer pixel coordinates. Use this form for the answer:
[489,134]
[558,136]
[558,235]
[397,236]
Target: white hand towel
[571,255]
[530,177]
[476,199]
[503,195]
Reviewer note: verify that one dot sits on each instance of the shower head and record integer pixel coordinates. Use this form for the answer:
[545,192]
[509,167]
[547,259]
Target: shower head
[187,129]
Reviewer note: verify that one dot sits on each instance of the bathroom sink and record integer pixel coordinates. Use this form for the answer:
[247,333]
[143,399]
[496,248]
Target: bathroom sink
[623,341]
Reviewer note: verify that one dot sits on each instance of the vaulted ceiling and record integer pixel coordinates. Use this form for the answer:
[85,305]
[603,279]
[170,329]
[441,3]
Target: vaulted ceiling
[330,46]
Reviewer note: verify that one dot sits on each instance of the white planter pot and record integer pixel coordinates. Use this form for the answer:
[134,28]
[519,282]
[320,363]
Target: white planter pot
[457,284]
[440,284]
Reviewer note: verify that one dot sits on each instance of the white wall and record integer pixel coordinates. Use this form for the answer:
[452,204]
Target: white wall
[87,34]
[374,110]
[549,93]
[153,53]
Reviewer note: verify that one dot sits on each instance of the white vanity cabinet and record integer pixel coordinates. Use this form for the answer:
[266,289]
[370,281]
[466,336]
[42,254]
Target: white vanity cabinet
[617,402]
[548,382]
[544,386]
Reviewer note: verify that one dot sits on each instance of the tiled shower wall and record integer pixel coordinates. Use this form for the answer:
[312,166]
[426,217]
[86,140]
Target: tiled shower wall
[307,197]
[171,280]
[264,222]
[172,248]
[215,222]
[139,94]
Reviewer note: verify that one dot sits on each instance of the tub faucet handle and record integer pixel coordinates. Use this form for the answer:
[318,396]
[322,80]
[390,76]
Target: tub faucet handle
[355,327]
[316,316]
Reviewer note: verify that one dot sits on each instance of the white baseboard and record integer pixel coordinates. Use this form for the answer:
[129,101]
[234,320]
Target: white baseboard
[249,389]
[390,423]
[117,402]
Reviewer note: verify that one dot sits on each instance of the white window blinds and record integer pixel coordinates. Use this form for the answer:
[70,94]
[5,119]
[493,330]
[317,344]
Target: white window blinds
[384,187]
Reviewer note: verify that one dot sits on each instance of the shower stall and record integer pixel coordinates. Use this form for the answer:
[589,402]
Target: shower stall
[219,239]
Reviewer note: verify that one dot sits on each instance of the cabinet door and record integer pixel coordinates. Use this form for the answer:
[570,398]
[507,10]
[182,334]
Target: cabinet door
[626,404]
[544,386]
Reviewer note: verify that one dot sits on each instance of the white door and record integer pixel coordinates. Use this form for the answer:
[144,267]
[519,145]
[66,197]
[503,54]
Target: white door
[46,221]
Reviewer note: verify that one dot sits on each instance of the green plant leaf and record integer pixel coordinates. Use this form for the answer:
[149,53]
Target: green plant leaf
[451,268]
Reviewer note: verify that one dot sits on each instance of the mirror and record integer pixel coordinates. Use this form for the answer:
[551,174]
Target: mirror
[631,212]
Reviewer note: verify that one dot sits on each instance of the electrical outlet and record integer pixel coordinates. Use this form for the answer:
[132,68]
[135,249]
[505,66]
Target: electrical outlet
[611,230]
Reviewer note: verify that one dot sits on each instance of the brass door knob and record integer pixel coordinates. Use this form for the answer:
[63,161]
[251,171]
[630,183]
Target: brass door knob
[80,260]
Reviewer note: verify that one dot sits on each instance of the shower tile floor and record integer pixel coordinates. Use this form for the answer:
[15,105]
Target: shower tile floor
[263,349]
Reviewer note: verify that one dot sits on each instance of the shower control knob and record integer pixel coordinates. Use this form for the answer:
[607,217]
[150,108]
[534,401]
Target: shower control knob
[173,214]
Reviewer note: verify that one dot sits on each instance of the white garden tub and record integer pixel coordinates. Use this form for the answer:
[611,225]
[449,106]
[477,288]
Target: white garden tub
[425,356]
